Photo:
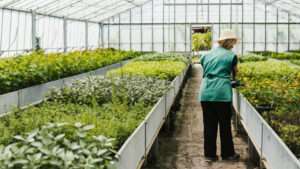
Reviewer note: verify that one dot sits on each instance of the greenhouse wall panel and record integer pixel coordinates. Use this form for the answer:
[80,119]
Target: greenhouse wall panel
[154,13]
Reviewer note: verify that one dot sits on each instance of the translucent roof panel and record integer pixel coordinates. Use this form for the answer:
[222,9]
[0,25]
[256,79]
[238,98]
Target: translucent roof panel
[92,10]
[291,6]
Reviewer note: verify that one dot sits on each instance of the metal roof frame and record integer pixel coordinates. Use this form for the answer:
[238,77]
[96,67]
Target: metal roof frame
[78,10]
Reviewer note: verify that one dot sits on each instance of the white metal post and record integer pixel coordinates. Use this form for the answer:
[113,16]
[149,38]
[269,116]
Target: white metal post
[86,35]
[163,26]
[33,30]
[119,32]
[289,31]
[102,34]
[65,34]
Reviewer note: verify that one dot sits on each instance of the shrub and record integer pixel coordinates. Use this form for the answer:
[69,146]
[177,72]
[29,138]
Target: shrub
[38,67]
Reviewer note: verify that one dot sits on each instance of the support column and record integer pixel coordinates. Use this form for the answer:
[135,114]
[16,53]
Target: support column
[152,25]
[86,35]
[277,31]
[141,28]
[219,18]
[65,34]
[101,34]
[130,29]
[174,26]
[242,27]
[197,12]
[108,34]
[163,27]
[289,31]
[254,26]
[266,27]
[33,31]
[231,14]
[119,33]
[185,25]
[208,11]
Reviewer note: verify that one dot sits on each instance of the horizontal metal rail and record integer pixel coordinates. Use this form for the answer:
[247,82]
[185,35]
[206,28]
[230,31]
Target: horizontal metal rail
[202,23]
[272,150]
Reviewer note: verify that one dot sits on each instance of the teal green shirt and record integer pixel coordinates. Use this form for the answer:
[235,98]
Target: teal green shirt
[217,68]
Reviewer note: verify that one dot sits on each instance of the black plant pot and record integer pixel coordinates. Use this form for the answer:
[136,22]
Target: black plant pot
[264,107]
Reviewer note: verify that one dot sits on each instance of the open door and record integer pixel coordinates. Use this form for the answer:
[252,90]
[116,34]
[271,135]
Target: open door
[201,39]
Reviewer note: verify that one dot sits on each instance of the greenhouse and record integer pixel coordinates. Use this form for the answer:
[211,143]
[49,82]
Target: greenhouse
[147,84]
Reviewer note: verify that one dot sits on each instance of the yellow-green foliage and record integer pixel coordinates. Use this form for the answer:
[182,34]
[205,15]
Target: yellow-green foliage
[38,67]
[275,83]
[202,41]
[161,69]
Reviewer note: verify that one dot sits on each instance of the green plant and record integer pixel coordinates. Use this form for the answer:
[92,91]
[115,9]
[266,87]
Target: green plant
[116,120]
[49,148]
[160,69]
[113,107]
[252,58]
[163,57]
[277,84]
[296,62]
[202,41]
[280,56]
[100,90]
[38,67]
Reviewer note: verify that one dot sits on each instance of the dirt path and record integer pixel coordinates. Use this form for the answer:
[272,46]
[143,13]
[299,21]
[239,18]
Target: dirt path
[184,149]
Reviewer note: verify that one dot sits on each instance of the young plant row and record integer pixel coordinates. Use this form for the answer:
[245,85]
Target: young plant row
[37,68]
[273,87]
[165,66]
[252,58]
[280,56]
[83,125]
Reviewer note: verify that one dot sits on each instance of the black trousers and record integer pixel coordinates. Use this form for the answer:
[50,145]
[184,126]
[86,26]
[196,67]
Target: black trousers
[214,114]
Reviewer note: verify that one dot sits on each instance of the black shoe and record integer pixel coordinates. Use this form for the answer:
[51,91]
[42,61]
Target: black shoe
[211,159]
[234,157]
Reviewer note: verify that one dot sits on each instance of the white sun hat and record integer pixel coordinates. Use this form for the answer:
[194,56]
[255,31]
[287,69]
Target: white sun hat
[228,34]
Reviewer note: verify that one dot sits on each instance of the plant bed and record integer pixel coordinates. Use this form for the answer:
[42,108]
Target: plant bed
[35,94]
[37,68]
[111,107]
[252,58]
[275,87]
[280,55]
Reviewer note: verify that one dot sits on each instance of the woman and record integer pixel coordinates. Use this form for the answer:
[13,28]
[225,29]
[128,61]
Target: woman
[219,67]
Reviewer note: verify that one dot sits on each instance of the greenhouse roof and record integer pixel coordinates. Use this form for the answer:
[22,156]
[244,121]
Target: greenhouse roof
[291,6]
[92,10]
[99,10]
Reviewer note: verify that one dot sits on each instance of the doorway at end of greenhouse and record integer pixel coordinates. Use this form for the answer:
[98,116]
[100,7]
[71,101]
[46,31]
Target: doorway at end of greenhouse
[201,40]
